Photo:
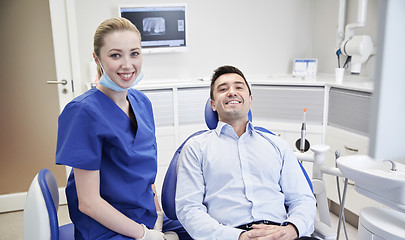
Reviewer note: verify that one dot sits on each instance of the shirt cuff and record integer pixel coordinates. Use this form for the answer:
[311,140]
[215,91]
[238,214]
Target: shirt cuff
[238,232]
[289,223]
[242,231]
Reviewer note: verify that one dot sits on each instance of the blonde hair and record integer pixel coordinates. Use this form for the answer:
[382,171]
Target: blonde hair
[106,27]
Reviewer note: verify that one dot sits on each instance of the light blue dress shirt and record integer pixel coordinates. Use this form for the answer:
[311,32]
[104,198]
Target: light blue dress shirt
[225,181]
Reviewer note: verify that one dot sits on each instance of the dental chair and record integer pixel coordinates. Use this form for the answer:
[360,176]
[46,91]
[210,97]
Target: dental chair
[322,230]
[40,210]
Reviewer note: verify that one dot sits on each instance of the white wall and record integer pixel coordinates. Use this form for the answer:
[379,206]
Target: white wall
[325,30]
[260,37]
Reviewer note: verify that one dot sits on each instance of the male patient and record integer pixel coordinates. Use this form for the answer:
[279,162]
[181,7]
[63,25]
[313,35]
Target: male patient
[238,183]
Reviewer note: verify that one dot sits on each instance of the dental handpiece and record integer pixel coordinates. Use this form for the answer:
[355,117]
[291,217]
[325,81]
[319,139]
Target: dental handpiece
[303,130]
[302,143]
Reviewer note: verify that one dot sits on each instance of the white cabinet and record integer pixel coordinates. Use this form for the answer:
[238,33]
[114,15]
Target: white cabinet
[347,132]
[285,104]
[191,104]
[350,110]
[163,106]
[280,109]
[347,143]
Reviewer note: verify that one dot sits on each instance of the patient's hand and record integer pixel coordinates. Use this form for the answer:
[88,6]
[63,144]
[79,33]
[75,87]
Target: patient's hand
[269,232]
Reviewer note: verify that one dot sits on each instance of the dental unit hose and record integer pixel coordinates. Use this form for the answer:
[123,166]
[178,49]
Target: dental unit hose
[338,53]
[348,59]
[341,201]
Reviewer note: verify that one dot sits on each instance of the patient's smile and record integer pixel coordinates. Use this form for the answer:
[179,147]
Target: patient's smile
[233,102]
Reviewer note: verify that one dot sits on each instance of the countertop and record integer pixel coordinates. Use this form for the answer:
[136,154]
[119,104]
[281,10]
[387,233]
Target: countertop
[350,82]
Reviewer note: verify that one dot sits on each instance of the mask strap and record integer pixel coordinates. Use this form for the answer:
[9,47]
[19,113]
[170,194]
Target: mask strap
[99,63]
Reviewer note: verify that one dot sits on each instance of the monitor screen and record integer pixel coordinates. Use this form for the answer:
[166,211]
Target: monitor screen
[163,28]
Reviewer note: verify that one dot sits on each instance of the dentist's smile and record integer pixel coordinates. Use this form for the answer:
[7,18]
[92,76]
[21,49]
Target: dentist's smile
[126,76]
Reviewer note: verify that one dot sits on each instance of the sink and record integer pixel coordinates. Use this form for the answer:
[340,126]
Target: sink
[375,179]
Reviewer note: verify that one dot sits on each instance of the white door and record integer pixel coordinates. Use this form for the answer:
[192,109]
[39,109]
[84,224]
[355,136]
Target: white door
[64,43]
[66,52]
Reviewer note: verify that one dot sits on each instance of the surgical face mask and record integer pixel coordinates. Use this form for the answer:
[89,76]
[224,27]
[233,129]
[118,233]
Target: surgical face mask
[106,81]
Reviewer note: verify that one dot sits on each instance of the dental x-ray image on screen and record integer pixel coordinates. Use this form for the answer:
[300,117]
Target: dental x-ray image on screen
[154,26]
[163,28]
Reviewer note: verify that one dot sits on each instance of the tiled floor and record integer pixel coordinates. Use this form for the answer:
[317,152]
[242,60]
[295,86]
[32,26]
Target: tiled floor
[11,225]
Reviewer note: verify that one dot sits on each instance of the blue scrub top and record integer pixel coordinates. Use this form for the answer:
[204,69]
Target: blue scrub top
[95,134]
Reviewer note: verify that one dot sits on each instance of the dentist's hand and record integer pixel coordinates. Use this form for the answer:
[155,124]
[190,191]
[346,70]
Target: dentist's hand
[151,234]
[159,227]
[159,221]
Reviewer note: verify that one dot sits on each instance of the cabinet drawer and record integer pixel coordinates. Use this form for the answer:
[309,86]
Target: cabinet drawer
[346,142]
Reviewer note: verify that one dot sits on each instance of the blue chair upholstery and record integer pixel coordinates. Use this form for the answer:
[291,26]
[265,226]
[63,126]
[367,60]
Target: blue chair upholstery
[169,183]
[40,210]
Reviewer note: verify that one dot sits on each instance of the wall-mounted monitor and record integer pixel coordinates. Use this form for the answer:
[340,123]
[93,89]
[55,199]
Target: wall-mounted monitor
[163,27]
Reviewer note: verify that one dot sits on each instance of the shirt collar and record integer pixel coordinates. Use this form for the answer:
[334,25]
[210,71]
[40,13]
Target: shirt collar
[223,127]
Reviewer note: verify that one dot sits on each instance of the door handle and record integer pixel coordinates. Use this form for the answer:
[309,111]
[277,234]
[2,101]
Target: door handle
[63,82]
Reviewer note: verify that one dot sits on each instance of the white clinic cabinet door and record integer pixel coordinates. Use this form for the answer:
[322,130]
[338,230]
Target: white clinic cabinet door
[347,132]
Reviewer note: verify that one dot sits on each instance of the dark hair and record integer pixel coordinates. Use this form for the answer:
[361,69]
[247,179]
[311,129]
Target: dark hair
[224,70]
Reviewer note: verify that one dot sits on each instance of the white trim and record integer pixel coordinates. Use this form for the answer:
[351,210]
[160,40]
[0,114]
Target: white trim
[176,115]
[12,202]
[61,46]
[325,112]
[16,201]
[64,33]
[62,196]
[78,84]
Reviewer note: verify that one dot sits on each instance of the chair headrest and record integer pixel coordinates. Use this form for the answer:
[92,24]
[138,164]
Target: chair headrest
[211,116]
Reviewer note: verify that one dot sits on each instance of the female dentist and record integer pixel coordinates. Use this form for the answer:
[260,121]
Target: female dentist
[108,136]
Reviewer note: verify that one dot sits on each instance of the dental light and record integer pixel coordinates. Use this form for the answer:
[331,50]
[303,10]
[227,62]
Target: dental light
[359,48]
